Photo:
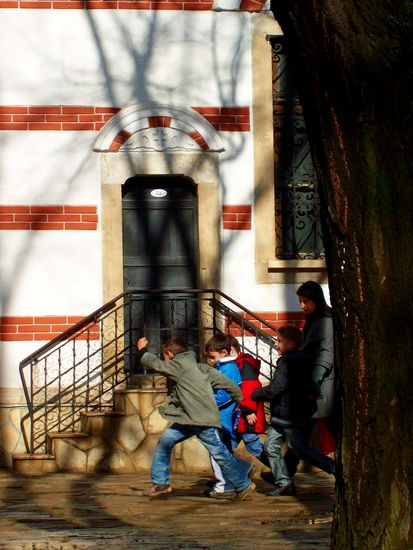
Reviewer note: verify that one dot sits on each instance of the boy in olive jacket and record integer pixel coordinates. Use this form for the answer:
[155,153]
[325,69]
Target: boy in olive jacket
[191,408]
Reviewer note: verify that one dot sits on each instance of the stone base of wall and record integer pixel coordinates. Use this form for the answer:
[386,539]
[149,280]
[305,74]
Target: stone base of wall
[12,410]
[122,441]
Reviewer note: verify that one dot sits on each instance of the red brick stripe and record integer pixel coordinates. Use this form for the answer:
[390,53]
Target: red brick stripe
[275,319]
[237,217]
[227,119]
[88,118]
[192,5]
[196,136]
[252,5]
[119,140]
[55,117]
[159,121]
[54,217]
[42,328]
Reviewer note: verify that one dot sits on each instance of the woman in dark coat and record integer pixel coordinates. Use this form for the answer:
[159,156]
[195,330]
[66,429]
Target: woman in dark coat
[318,345]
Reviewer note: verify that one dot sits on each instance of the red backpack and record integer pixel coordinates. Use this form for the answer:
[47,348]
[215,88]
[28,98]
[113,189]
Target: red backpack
[249,368]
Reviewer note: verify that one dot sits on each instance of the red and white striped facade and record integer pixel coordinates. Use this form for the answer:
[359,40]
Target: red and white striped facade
[72,72]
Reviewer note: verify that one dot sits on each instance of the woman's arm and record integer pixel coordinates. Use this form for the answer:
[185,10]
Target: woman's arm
[319,347]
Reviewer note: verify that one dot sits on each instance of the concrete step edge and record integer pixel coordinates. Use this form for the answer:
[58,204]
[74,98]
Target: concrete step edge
[67,435]
[28,456]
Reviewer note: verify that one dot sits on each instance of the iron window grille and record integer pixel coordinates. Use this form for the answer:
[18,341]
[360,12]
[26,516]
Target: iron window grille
[297,204]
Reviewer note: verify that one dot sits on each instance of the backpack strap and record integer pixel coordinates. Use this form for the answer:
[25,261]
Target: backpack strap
[249,366]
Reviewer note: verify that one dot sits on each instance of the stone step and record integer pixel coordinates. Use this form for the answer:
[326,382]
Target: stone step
[122,440]
[138,400]
[39,464]
[99,422]
[67,435]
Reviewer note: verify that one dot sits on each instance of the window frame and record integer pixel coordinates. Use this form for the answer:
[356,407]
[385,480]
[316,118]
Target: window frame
[268,268]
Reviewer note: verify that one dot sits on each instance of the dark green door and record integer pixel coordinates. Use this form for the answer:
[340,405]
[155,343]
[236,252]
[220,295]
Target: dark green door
[160,234]
[160,244]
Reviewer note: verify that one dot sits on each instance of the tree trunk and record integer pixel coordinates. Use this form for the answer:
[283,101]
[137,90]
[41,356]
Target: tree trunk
[354,65]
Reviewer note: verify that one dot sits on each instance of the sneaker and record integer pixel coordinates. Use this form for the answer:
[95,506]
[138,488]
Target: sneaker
[219,494]
[268,477]
[210,483]
[157,489]
[282,491]
[242,495]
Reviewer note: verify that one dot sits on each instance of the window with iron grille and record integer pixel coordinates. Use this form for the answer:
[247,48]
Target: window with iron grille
[297,205]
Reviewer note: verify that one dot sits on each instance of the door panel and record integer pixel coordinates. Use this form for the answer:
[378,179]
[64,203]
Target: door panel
[160,252]
[160,237]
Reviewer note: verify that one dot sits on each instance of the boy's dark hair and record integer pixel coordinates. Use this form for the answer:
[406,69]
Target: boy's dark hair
[175,345]
[219,342]
[291,334]
[233,342]
[313,291]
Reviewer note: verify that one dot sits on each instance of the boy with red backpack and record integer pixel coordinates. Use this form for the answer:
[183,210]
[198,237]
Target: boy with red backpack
[218,351]
[251,420]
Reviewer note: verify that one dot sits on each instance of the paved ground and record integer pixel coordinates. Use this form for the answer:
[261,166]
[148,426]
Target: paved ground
[68,512]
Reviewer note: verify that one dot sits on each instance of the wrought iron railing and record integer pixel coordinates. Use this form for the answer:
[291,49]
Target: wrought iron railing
[79,370]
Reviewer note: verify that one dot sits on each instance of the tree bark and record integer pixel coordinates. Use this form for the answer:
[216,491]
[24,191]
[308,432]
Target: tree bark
[354,66]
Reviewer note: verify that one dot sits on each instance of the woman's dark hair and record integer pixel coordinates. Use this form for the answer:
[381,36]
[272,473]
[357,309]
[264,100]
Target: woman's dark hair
[313,291]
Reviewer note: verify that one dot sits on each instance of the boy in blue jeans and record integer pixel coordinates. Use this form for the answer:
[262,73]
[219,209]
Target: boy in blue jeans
[252,415]
[293,400]
[218,349]
[191,408]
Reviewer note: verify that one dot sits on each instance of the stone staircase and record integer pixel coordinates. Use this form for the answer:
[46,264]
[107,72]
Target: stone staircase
[122,440]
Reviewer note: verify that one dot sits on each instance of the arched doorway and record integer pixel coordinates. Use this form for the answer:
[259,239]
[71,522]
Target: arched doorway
[160,145]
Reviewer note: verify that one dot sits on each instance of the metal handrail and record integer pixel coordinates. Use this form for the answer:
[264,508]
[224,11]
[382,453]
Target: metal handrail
[79,369]
[70,331]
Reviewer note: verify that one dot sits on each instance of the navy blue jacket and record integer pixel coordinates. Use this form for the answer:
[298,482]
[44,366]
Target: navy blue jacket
[291,392]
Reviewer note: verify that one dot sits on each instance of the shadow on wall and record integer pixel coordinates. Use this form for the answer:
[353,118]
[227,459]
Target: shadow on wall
[145,85]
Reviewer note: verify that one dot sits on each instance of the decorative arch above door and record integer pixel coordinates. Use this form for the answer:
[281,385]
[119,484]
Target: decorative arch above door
[157,128]
[132,158]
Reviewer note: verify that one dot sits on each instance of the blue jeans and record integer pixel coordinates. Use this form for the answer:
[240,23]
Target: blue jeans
[253,444]
[209,437]
[297,442]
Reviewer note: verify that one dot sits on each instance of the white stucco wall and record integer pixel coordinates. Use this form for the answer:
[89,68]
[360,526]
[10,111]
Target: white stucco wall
[100,58]
[48,168]
[112,58]
[51,272]
[82,57]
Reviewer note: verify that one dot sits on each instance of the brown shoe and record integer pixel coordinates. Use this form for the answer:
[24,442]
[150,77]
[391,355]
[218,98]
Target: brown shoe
[242,495]
[157,489]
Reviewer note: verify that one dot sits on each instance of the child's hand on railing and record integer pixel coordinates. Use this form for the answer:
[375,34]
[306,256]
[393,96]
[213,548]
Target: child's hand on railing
[142,343]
